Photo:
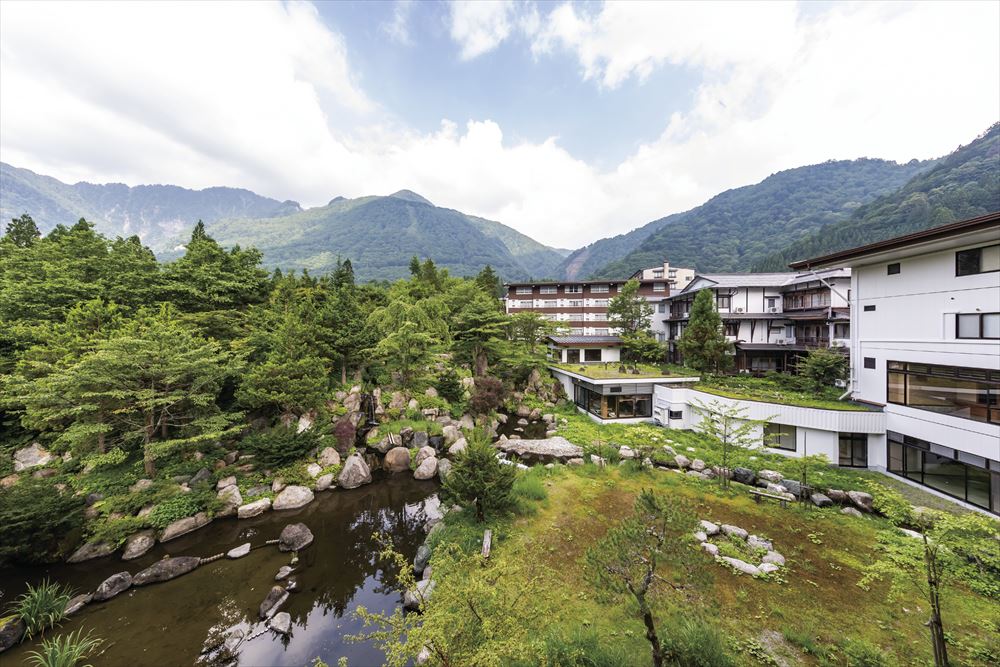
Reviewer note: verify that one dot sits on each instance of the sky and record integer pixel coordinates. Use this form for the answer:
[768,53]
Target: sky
[568,121]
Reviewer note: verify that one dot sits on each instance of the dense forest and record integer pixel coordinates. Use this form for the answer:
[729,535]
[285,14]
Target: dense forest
[123,367]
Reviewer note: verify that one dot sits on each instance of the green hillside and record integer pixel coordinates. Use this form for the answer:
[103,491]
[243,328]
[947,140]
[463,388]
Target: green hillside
[962,185]
[739,227]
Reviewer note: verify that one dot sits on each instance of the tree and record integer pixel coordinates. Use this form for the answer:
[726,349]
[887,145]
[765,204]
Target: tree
[22,231]
[641,347]
[821,367]
[731,427]
[478,329]
[405,352]
[489,282]
[487,395]
[703,344]
[628,560]
[479,477]
[628,311]
[530,329]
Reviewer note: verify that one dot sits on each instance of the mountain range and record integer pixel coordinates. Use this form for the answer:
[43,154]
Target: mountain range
[790,215]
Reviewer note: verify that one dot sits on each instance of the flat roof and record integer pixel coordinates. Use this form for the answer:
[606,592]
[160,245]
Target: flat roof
[980,223]
[584,341]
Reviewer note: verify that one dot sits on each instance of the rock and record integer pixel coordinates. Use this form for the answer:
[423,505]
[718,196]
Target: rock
[200,477]
[436,442]
[598,461]
[93,498]
[225,482]
[626,453]
[184,526]
[90,550]
[734,530]
[77,603]
[850,511]
[329,457]
[861,500]
[140,486]
[700,536]
[138,544]
[755,542]
[744,476]
[792,486]
[230,457]
[420,439]
[576,461]
[696,474]
[466,422]
[424,453]
[275,598]
[458,447]
[444,467]
[682,461]
[45,473]
[427,468]
[283,572]
[112,586]
[911,533]
[768,568]
[354,473]
[522,422]
[523,411]
[32,456]
[145,511]
[557,448]
[709,528]
[698,465]
[771,476]
[239,552]
[295,537]
[166,569]
[397,459]
[837,496]
[820,500]
[669,450]
[313,470]
[773,557]
[305,423]
[232,498]
[292,497]
[421,560]
[741,566]
[256,508]
[12,628]
[451,434]
[282,623]
[710,548]
[776,489]
[428,571]
[277,486]
[8,481]
[413,598]
[323,482]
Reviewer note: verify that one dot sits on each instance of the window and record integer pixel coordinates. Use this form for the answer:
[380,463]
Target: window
[661,307]
[675,414]
[523,290]
[779,436]
[969,393]
[977,260]
[591,355]
[869,362]
[598,289]
[977,325]
[732,328]
[657,273]
[869,309]
[618,406]
[842,330]
[772,302]
[574,289]
[928,464]
[524,304]
[722,301]
[575,303]
[659,287]
[600,303]
[853,450]
[549,289]
[551,303]
[892,269]
[600,332]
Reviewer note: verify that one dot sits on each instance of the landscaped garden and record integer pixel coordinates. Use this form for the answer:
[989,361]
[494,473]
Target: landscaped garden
[777,388]
[612,370]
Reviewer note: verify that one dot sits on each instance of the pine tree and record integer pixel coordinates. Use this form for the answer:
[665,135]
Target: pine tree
[489,282]
[703,344]
[629,312]
[478,330]
[406,352]
[477,476]
[22,231]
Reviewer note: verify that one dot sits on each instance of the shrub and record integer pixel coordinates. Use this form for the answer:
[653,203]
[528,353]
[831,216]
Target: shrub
[891,503]
[115,457]
[487,395]
[821,367]
[279,446]
[42,607]
[38,523]
[177,507]
[65,650]
[477,476]
[694,642]
[585,647]
[449,387]
[116,531]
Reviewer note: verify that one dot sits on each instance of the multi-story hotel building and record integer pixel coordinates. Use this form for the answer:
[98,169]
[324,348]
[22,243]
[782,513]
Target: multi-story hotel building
[926,345]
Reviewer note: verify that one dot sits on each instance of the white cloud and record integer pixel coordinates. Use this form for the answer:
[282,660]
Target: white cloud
[479,26]
[398,29]
[263,96]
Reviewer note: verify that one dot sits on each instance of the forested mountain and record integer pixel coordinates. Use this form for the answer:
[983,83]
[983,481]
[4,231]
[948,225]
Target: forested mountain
[739,227]
[159,214]
[588,260]
[962,185]
[381,234]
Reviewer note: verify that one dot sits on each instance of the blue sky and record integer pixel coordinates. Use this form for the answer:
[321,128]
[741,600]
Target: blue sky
[567,121]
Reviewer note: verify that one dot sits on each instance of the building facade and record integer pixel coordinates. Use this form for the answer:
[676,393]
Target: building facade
[926,346]
[771,318]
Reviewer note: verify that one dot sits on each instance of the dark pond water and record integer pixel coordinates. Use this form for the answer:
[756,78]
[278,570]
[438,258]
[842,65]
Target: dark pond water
[170,623]
[532,430]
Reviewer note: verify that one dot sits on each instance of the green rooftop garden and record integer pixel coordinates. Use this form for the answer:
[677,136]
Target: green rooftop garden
[612,370]
[778,388]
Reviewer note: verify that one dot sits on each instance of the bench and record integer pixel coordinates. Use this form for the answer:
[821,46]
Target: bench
[758,495]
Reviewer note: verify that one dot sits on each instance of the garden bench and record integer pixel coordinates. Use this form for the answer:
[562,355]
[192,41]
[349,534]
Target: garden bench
[757,495]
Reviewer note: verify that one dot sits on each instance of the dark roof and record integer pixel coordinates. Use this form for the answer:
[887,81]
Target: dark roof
[982,222]
[586,340]
[615,281]
[770,347]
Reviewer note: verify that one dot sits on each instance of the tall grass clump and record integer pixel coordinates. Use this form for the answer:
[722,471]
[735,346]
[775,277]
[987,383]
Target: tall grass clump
[586,648]
[694,642]
[42,607]
[65,650]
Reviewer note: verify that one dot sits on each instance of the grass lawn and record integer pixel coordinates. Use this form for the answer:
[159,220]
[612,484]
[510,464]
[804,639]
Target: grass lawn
[775,390]
[610,371]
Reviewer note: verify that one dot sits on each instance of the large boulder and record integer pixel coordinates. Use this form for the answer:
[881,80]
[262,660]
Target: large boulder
[201,477]
[282,623]
[422,559]
[792,486]
[275,598]
[741,566]
[232,499]
[12,628]
[292,497]
[838,496]
[626,453]
[443,468]
[557,448]
[451,434]
[682,461]
[225,481]
[757,542]
[386,443]
[32,456]
[420,439]
[77,603]
[773,557]
[253,509]
[329,457]
[850,511]
[138,544]
[314,469]
[112,586]
[698,465]
[458,447]
[744,476]
[772,476]
[424,453]
[294,537]
[735,531]
[397,459]
[427,468]
[709,528]
[820,500]
[323,482]
[90,550]
[354,473]
[184,526]
[863,501]
[166,569]
[413,598]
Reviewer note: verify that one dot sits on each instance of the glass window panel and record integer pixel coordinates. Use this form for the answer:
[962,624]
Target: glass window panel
[897,388]
[989,260]
[968,326]
[978,486]
[991,325]
[626,407]
[944,474]
[967,262]
[912,464]
[895,457]
[643,406]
